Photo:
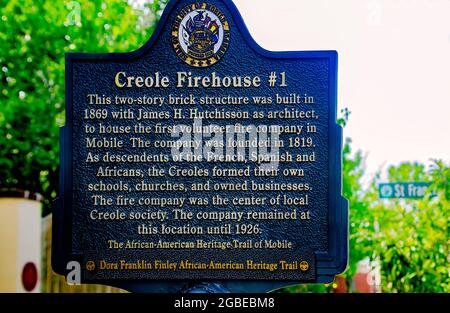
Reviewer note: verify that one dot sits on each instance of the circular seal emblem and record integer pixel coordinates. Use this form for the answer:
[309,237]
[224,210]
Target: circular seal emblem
[90,265]
[200,34]
[304,266]
[386,191]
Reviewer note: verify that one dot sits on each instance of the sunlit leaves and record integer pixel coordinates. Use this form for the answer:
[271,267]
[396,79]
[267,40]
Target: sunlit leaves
[34,35]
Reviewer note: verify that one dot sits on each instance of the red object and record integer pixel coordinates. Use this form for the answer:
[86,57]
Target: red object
[361,284]
[29,276]
[340,285]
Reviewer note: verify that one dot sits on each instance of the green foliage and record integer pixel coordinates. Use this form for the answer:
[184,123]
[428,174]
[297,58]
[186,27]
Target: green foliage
[353,169]
[307,288]
[408,238]
[34,35]
[412,242]
[360,223]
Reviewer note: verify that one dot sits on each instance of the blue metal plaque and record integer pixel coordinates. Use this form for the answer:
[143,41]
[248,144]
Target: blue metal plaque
[142,209]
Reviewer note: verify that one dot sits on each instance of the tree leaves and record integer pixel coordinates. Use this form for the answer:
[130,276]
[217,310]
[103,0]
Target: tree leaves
[34,35]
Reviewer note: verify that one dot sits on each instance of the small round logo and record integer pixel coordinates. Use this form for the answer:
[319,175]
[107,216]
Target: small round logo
[386,191]
[200,34]
[90,265]
[304,266]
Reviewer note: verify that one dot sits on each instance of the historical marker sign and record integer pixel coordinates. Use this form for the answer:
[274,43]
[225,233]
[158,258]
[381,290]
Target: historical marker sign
[413,190]
[201,156]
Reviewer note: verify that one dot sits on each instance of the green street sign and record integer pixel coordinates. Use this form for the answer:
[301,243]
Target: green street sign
[414,190]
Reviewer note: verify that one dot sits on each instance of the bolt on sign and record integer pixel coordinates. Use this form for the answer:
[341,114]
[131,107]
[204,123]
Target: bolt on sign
[201,156]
